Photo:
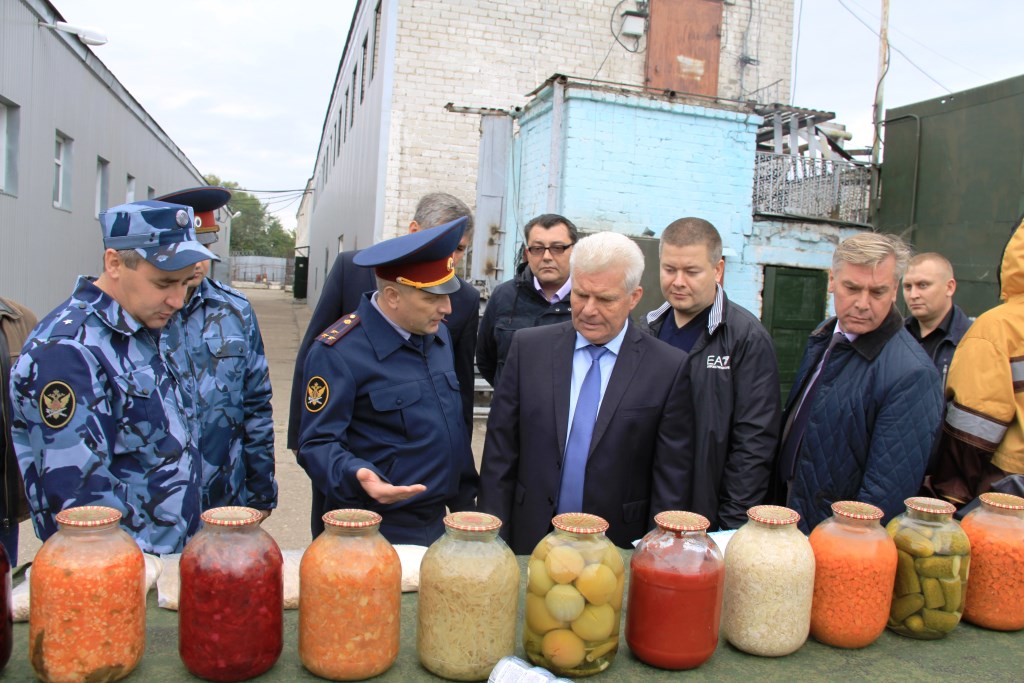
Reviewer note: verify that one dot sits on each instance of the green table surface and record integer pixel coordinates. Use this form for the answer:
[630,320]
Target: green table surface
[967,654]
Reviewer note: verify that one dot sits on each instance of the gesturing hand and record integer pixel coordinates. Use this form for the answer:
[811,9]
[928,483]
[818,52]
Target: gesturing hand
[385,493]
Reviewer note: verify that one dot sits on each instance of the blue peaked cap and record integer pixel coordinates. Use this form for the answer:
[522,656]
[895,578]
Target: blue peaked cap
[161,232]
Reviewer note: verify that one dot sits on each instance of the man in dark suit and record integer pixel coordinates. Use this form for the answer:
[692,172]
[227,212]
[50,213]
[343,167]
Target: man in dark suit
[588,416]
[346,283]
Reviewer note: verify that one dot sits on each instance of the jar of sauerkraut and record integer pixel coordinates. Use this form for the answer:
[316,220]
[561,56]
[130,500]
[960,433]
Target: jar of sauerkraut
[934,556]
[995,590]
[350,597]
[230,613]
[574,597]
[469,590]
[769,581]
[87,618]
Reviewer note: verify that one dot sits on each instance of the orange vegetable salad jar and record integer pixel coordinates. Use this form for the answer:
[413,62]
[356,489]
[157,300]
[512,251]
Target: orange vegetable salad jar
[855,566]
[231,609]
[995,589]
[350,594]
[87,618]
[677,576]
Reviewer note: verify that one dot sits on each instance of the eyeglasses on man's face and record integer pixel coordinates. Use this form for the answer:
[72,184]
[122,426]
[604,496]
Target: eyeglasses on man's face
[555,249]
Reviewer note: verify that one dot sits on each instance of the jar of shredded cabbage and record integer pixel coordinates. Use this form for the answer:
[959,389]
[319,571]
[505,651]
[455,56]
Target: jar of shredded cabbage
[574,597]
[469,591]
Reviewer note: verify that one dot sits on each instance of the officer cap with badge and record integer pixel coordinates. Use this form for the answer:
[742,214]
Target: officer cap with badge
[161,232]
[204,202]
[420,259]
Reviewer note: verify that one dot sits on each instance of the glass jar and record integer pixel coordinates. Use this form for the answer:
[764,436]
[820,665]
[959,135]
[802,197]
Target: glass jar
[995,591]
[934,555]
[769,583]
[350,597]
[574,597]
[855,566]
[6,615]
[87,616]
[469,597]
[677,576]
[230,611]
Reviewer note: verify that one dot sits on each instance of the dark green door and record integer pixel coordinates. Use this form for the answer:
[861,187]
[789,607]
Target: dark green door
[794,304]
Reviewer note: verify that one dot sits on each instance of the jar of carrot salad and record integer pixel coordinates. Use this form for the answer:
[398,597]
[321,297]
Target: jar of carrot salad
[769,582]
[230,612]
[469,594]
[574,597]
[933,560]
[87,617]
[6,619]
[995,590]
[854,570]
[677,576]
[350,594]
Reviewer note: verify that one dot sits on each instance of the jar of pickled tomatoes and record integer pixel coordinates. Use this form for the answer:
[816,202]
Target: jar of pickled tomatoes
[574,597]
[230,611]
[854,570]
[87,617]
[677,576]
[469,597]
[350,597]
[995,589]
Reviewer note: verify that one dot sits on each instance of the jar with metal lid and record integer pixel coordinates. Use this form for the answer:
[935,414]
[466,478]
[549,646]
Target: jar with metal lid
[769,583]
[854,570]
[87,616]
[231,607]
[574,597]
[350,597]
[934,557]
[995,589]
[6,618]
[469,597]
[677,576]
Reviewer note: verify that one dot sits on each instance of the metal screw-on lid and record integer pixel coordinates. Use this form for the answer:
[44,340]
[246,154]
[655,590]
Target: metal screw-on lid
[580,523]
[231,515]
[472,521]
[677,520]
[1004,501]
[773,514]
[853,509]
[932,506]
[351,518]
[88,516]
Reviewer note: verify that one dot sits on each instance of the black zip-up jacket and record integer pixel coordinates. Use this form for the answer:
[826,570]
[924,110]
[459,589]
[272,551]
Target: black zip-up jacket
[943,355]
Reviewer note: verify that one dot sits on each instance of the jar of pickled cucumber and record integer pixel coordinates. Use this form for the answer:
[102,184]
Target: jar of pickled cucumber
[469,597]
[231,608]
[87,617]
[6,618]
[349,571]
[854,570]
[934,556]
[677,576]
[574,597]
[769,583]
[995,590]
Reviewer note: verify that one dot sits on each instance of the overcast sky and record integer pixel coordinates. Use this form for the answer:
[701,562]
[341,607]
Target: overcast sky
[242,87]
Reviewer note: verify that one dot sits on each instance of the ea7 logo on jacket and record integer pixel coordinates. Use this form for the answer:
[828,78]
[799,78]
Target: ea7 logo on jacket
[718,362]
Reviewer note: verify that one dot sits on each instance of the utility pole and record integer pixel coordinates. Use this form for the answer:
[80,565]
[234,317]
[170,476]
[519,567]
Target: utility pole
[883,67]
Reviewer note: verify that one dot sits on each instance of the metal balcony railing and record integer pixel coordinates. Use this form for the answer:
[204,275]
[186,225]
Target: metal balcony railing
[811,188]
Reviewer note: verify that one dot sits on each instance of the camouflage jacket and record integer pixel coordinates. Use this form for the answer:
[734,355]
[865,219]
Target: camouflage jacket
[216,341]
[98,419]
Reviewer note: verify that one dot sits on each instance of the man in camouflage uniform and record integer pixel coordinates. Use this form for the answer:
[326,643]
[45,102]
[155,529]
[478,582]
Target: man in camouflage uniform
[99,417]
[217,343]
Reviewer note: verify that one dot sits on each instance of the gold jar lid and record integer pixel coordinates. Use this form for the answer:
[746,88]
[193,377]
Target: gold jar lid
[1004,501]
[932,506]
[678,520]
[580,523]
[774,515]
[88,516]
[853,509]
[351,518]
[231,515]
[472,521]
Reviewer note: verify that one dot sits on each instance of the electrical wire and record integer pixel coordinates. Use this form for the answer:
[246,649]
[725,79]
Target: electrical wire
[796,58]
[611,26]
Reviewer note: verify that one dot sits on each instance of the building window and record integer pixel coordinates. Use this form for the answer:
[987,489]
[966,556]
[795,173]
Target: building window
[337,134]
[129,189]
[102,184]
[150,193]
[348,108]
[355,84]
[362,81]
[376,42]
[62,171]
[10,124]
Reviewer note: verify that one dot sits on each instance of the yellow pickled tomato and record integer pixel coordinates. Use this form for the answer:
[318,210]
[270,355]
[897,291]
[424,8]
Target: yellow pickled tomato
[596,623]
[564,603]
[616,599]
[563,564]
[597,583]
[538,619]
[563,648]
[592,550]
[539,583]
[613,560]
[543,548]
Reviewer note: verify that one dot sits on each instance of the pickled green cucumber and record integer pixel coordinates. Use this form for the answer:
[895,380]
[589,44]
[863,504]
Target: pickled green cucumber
[952,592]
[933,596]
[905,606]
[906,576]
[914,543]
[938,566]
[938,620]
[915,623]
[953,542]
[965,567]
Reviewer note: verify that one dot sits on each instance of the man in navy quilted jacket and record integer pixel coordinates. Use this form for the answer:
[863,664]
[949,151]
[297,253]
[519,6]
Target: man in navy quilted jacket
[867,401]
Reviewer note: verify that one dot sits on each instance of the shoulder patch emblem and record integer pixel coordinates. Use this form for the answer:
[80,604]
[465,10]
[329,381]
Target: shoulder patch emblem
[317,393]
[339,329]
[56,404]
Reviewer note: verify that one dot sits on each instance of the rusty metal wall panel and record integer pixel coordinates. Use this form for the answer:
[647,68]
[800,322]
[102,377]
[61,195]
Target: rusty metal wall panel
[684,46]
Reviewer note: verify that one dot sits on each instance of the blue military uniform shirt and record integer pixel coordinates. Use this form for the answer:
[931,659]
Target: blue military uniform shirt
[99,419]
[215,341]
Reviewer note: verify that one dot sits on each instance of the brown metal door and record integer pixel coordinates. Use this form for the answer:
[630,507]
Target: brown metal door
[684,45]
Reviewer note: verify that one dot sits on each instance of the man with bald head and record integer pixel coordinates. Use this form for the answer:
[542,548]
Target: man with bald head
[934,321]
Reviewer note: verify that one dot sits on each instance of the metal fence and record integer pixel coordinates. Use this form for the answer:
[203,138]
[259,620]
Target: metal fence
[262,269]
[812,188]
